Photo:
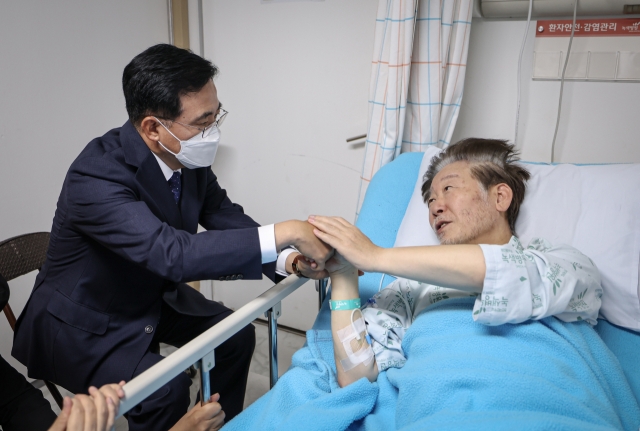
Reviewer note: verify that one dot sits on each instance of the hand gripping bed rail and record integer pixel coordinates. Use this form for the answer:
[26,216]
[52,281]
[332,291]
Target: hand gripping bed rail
[200,350]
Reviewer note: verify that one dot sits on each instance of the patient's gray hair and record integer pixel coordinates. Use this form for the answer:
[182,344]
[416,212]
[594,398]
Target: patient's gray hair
[493,161]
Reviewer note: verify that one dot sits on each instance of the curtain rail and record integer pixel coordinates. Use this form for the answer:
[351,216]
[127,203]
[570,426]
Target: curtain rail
[160,374]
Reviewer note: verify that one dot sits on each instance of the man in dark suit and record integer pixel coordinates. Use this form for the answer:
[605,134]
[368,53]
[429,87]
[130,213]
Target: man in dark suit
[124,241]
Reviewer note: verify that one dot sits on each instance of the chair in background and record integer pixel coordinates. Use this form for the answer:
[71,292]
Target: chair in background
[18,256]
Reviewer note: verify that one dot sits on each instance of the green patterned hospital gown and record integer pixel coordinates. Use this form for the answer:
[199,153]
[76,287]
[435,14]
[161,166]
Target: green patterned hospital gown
[520,284]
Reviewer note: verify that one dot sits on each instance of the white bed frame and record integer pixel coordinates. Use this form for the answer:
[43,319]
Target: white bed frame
[200,350]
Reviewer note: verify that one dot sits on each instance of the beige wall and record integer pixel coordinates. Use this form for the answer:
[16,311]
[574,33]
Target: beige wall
[61,66]
[295,79]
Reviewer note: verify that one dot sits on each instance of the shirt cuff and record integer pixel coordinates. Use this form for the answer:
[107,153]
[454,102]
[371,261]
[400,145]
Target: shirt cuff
[267,235]
[281,264]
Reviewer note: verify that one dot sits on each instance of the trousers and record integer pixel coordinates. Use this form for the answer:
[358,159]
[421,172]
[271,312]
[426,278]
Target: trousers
[167,405]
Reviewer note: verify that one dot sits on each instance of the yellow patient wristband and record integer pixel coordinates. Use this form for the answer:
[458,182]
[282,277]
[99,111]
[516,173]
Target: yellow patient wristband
[344,304]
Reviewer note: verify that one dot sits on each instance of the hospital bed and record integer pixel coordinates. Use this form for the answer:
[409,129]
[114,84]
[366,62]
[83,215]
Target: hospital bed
[461,375]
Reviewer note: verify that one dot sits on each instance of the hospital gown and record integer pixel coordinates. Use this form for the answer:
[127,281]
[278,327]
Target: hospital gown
[520,284]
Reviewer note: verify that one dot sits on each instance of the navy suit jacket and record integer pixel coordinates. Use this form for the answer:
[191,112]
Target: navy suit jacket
[120,246]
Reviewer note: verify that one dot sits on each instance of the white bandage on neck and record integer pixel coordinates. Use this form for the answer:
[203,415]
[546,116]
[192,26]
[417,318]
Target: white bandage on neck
[348,334]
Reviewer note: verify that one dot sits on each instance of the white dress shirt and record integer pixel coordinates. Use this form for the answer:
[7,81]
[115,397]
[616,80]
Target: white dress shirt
[266,234]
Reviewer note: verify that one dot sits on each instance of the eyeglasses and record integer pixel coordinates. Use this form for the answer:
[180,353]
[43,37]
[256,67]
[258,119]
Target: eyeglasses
[222,114]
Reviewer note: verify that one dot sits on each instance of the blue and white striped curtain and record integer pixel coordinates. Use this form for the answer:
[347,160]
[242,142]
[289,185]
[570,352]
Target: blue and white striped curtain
[419,64]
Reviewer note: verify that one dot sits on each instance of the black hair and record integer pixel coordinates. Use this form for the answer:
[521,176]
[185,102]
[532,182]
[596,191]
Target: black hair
[156,78]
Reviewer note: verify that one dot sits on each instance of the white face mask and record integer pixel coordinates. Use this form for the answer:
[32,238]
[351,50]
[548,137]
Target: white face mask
[199,151]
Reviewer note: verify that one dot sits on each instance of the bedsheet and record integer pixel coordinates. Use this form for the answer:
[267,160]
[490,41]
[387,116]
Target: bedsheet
[459,375]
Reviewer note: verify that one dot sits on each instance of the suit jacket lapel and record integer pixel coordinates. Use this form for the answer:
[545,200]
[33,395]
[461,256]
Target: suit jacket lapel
[153,187]
[189,207]
[153,183]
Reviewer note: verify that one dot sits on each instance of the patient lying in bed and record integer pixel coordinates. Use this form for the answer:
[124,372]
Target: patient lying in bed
[473,190]
[460,374]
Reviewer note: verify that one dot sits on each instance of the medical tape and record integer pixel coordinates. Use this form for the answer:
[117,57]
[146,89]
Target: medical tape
[348,334]
[351,332]
[364,356]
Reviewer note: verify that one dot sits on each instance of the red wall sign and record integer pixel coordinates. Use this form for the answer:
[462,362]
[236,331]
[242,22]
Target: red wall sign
[589,27]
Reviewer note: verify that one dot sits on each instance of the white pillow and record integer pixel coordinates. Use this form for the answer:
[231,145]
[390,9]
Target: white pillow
[594,208]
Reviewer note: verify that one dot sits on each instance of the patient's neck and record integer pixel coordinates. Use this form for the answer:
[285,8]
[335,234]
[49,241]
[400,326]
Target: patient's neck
[499,234]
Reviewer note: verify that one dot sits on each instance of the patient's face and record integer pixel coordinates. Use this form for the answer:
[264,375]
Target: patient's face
[459,208]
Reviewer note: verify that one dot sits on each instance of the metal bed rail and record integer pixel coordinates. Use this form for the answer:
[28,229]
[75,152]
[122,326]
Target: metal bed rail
[200,350]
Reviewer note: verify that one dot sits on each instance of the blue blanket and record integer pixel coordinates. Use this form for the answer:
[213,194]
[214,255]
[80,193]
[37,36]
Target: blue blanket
[459,375]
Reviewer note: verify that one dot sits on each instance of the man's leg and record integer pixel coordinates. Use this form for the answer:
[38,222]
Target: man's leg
[163,408]
[233,357]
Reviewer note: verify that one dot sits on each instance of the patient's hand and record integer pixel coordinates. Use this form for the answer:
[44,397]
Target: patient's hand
[347,239]
[306,267]
[338,265]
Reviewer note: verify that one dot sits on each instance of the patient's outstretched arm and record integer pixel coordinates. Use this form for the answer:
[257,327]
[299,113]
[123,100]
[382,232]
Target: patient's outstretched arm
[456,266]
[344,287]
